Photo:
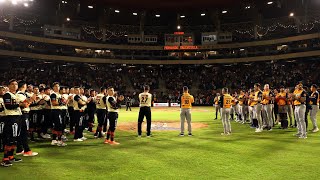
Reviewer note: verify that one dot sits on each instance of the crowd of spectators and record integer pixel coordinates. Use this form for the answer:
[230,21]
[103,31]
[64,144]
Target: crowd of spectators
[209,78]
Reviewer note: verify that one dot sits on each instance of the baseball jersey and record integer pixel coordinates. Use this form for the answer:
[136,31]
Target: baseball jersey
[241,99]
[76,105]
[145,99]
[266,97]
[186,101]
[314,98]
[11,105]
[57,97]
[299,93]
[35,106]
[281,98]
[22,97]
[46,98]
[65,98]
[1,107]
[257,97]
[226,101]
[70,102]
[101,101]
[112,104]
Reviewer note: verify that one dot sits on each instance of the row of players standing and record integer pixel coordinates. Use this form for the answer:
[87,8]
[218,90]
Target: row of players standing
[24,112]
[266,108]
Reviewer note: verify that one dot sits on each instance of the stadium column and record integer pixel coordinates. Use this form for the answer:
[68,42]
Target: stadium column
[103,14]
[257,17]
[214,16]
[142,22]
[11,22]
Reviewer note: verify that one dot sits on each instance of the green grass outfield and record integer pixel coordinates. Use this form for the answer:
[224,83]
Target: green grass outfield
[206,155]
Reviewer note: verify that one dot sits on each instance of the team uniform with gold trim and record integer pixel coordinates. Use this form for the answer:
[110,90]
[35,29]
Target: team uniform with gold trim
[299,112]
[257,110]
[185,112]
[267,109]
[225,104]
[281,100]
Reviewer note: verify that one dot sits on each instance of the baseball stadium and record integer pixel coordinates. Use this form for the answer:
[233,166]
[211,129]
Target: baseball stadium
[159,89]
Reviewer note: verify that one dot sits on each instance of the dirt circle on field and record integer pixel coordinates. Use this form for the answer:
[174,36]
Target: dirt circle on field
[159,126]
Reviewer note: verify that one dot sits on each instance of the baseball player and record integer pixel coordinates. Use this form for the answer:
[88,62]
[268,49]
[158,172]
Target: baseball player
[258,107]
[216,104]
[185,112]
[225,104]
[299,100]
[314,102]
[267,97]
[145,110]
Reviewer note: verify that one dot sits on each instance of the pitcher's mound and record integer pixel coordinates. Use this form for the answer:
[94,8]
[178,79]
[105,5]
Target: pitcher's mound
[160,126]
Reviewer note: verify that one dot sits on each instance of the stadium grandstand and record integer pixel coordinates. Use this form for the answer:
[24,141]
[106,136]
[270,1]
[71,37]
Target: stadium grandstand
[89,58]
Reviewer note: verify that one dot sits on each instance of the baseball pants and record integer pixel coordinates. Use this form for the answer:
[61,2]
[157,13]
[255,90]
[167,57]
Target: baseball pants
[185,114]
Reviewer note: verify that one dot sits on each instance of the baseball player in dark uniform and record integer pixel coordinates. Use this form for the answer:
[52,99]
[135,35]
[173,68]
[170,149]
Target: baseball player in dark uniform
[145,99]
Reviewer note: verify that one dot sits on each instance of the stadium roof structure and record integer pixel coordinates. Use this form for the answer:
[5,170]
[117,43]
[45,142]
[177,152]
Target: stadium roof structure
[170,4]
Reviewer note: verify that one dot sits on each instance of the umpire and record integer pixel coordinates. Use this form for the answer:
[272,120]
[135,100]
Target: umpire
[128,103]
[145,99]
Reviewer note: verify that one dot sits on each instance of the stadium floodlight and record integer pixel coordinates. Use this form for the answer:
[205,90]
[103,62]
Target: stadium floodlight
[14,2]
[157,15]
[270,2]
[90,7]
[291,14]
[25,4]
[182,16]
[135,14]
[203,14]
[224,12]
[2,1]
[116,11]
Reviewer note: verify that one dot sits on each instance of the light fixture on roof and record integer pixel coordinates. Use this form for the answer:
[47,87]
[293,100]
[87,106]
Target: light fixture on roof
[135,14]
[182,16]
[248,7]
[157,15]
[224,12]
[68,19]
[291,14]
[14,2]
[270,2]
[64,2]
[116,11]
[203,14]
[90,7]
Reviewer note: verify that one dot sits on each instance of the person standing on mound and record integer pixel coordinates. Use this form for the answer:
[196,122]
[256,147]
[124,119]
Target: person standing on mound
[185,112]
[225,104]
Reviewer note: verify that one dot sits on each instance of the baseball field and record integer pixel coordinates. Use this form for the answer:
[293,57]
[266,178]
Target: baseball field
[206,155]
